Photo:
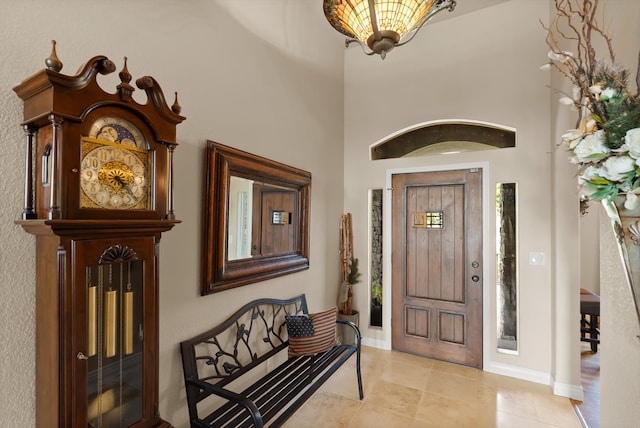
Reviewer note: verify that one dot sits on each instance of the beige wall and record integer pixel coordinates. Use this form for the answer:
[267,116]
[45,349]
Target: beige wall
[271,86]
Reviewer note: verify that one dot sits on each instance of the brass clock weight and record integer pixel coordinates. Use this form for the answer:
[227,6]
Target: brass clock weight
[98,196]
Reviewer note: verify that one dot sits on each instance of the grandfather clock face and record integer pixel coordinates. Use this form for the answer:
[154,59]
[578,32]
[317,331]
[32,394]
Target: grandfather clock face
[115,172]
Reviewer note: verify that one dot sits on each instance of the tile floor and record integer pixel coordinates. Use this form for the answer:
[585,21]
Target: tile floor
[402,390]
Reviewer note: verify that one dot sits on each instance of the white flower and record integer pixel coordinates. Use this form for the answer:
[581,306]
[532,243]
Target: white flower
[632,142]
[616,167]
[595,89]
[572,137]
[607,93]
[588,174]
[587,178]
[563,56]
[592,144]
[632,201]
[588,124]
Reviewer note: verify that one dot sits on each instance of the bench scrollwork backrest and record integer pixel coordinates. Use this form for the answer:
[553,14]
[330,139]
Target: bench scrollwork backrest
[250,336]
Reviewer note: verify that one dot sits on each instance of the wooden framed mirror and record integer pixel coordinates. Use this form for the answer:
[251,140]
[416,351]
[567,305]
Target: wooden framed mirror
[256,219]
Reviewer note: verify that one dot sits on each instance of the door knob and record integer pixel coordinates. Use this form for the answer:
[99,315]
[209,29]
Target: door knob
[81,356]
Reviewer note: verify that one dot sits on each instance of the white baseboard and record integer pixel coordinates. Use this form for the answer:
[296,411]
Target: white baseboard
[376,343]
[519,373]
[575,392]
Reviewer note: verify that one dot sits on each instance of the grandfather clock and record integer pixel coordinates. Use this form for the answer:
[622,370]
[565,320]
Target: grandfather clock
[98,195]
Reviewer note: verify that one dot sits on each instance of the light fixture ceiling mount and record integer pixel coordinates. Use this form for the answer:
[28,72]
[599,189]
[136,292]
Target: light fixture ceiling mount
[381,25]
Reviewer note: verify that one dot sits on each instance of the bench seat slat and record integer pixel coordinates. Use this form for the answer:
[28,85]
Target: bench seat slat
[258,388]
[306,381]
[287,395]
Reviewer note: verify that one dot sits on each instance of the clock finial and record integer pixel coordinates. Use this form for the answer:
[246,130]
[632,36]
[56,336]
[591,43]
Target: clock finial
[125,89]
[176,107]
[125,76]
[53,62]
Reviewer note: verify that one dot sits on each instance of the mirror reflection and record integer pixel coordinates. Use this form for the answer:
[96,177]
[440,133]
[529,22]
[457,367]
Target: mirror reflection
[262,219]
[506,269]
[240,215]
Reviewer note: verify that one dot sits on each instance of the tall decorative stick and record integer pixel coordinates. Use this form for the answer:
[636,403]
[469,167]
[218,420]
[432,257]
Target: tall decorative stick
[346,255]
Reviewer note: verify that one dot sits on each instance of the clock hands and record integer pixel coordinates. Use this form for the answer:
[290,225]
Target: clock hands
[123,184]
[119,180]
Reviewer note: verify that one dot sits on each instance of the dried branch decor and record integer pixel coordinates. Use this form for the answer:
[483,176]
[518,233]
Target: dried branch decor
[606,143]
[348,265]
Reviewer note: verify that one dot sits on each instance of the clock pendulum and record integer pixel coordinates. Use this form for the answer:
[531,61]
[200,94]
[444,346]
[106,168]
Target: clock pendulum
[128,314]
[110,310]
[96,398]
[91,316]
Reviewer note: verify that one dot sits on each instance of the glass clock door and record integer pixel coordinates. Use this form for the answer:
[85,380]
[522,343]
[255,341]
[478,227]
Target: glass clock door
[115,335]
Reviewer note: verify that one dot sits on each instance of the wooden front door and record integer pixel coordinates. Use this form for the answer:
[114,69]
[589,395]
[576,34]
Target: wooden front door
[437,265]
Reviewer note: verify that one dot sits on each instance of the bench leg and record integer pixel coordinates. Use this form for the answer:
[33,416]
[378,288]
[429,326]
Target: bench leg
[359,374]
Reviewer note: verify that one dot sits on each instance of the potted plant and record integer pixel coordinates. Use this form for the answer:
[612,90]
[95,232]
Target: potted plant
[346,311]
[346,292]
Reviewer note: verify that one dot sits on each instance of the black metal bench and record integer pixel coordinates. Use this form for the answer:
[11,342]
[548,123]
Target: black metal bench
[226,370]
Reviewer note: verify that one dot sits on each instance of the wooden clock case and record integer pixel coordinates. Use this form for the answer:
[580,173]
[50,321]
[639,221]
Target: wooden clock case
[78,246]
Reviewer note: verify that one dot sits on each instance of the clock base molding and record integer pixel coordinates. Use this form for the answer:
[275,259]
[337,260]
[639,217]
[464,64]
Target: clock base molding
[96,227]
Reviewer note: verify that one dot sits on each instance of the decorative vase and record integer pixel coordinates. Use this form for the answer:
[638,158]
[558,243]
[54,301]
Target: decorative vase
[346,334]
[626,229]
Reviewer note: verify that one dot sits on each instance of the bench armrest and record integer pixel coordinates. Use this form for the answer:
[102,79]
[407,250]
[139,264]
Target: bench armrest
[355,328]
[249,405]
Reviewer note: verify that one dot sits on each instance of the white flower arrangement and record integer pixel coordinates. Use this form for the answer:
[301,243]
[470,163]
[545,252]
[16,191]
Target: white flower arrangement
[606,142]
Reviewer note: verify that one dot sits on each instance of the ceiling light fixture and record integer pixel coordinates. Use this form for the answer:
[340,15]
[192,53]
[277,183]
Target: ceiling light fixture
[382,25]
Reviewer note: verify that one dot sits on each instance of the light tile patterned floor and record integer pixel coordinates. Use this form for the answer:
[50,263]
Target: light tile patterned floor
[403,390]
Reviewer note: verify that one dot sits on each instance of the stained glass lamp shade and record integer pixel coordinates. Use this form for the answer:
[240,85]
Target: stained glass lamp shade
[381,25]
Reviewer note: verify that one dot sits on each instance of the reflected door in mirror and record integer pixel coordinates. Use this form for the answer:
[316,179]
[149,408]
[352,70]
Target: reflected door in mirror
[275,233]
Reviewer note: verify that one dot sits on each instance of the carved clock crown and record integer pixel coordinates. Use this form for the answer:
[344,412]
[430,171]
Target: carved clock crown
[59,111]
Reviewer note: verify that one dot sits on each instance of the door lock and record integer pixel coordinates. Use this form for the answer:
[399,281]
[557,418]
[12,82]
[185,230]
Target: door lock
[475,278]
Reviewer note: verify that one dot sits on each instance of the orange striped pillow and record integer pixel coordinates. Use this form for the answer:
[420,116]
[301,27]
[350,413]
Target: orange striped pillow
[324,338]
